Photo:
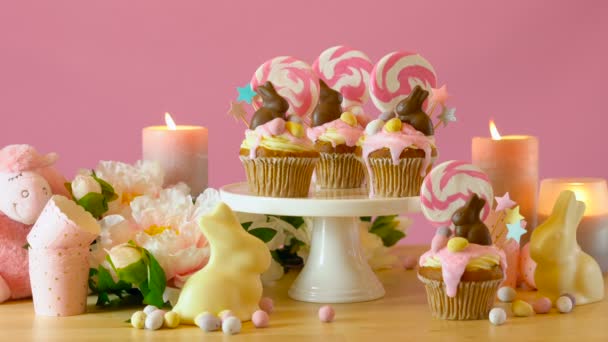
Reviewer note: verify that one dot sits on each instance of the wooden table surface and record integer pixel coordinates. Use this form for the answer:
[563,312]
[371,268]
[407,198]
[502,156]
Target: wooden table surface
[402,315]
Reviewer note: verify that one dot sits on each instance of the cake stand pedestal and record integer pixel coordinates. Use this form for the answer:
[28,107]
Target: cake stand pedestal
[336,270]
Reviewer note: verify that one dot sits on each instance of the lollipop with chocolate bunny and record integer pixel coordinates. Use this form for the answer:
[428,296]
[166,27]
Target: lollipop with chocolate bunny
[410,111]
[274,106]
[468,224]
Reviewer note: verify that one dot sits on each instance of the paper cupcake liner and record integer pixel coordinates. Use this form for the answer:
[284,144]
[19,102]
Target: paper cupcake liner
[401,180]
[63,224]
[59,279]
[279,177]
[339,171]
[473,300]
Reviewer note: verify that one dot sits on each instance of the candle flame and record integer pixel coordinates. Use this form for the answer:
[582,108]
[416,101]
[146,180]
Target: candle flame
[494,131]
[170,123]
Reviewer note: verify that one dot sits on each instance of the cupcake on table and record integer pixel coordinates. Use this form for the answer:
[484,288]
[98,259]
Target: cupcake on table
[398,149]
[463,270]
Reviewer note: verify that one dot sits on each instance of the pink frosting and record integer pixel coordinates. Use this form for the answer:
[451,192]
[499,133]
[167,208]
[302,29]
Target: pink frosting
[351,134]
[274,128]
[453,265]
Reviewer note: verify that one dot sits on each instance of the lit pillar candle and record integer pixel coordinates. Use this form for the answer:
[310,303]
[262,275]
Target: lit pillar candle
[511,162]
[592,233]
[181,152]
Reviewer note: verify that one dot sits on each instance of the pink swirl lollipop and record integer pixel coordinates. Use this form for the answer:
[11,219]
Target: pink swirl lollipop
[346,70]
[447,188]
[396,74]
[293,79]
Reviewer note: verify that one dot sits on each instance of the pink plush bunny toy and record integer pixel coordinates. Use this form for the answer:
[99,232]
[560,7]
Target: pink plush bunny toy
[27,181]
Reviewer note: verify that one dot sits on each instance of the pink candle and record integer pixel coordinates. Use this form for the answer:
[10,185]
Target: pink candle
[511,162]
[181,152]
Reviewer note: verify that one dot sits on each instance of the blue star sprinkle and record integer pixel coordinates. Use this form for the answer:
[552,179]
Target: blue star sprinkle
[515,231]
[246,93]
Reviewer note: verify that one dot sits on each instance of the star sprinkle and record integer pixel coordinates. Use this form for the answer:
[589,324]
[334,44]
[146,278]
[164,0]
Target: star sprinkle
[238,112]
[513,215]
[515,231]
[447,115]
[246,93]
[504,202]
[440,95]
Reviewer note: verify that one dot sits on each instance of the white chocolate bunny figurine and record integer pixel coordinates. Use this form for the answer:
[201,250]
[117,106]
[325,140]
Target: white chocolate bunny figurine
[231,279]
[562,267]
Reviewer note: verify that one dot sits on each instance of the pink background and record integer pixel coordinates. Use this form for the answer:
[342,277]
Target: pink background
[83,77]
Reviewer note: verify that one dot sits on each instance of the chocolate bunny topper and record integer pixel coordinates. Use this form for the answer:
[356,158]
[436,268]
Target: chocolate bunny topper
[329,107]
[468,224]
[274,106]
[410,111]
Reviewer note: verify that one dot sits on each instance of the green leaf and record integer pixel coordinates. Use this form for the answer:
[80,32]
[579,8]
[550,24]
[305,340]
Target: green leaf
[246,225]
[136,273]
[264,234]
[366,218]
[156,282]
[385,228]
[26,246]
[105,286]
[94,203]
[295,221]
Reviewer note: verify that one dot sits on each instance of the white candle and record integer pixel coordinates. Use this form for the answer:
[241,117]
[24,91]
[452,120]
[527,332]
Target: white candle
[511,162]
[181,152]
[592,233]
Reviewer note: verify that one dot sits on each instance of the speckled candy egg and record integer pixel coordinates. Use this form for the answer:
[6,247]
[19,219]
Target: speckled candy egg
[506,294]
[374,127]
[231,325]
[267,304]
[542,305]
[497,316]
[522,308]
[138,320]
[172,319]
[564,304]
[326,314]
[155,319]
[149,309]
[208,322]
[260,319]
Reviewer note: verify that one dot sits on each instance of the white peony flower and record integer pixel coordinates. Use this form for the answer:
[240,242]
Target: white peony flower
[130,182]
[169,230]
[84,184]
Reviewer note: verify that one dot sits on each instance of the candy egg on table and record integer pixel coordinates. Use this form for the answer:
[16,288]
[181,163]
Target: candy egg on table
[155,320]
[326,314]
[497,316]
[171,320]
[208,322]
[506,294]
[138,320]
[267,304]
[231,325]
[542,305]
[564,304]
[149,309]
[522,308]
[409,262]
[260,319]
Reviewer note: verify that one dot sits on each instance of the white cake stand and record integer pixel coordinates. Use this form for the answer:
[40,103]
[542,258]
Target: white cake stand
[336,270]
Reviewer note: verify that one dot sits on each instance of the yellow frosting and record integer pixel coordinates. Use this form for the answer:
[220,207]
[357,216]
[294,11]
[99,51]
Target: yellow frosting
[281,142]
[486,262]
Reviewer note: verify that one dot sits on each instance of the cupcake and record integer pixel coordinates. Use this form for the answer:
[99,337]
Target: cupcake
[335,136]
[277,156]
[399,153]
[462,274]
